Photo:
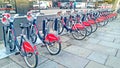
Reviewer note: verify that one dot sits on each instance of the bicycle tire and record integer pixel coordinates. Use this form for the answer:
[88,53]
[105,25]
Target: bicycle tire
[101,23]
[106,22]
[33,35]
[53,24]
[69,24]
[57,49]
[94,27]
[11,42]
[60,27]
[29,63]
[78,31]
[89,30]
[30,58]
[47,27]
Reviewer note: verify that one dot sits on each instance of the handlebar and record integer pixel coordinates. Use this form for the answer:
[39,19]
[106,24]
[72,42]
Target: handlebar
[31,16]
[6,18]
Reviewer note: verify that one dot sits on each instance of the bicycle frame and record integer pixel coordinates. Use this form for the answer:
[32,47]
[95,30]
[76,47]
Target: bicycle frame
[47,37]
[26,47]
[74,26]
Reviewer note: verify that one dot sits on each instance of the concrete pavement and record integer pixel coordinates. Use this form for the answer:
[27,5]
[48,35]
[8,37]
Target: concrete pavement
[99,50]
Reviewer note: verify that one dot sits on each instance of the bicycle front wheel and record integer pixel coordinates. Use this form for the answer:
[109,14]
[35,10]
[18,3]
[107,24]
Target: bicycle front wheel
[31,59]
[59,27]
[89,30]
[101,23]
[29,53]
[106,22]
[54,48]
[94,27]
[79,34]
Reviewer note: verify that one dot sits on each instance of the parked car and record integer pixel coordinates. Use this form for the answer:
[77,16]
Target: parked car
[41,5]
[90,5]
[105,6]
[80,5]
[65,5]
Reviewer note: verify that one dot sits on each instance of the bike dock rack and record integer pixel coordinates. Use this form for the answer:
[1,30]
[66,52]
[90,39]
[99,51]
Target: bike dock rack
[4,53]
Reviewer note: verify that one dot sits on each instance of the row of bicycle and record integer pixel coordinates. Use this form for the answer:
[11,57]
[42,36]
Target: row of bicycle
[82,24]
[79,24]
[25,44]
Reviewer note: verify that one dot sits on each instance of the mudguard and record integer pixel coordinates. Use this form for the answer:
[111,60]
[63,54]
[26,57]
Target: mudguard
[91,21]
[100,19]
[86,23]
[52,38]
[27,47]
[77,26]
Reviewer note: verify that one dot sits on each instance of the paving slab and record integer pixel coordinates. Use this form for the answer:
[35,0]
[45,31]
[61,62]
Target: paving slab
[64,38]
[94,35]
[103,34]
[69,60]
[118,53]
[93,64]
[51,64]
[79,51]
[101,49]
[12,65]
[113,62]
[93,41]
[117,41]
[109,44]
[103,38]
[110,32]
[19,60]
[65,45]
[77,42]
[5,61]
[98,57]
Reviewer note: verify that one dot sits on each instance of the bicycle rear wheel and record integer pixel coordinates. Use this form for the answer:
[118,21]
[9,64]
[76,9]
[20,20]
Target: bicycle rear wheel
[54,48]
[79,34]
[11,42]
[33,36]
[60,27]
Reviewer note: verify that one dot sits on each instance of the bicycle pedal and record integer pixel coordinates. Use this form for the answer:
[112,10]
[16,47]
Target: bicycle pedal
[17,53]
